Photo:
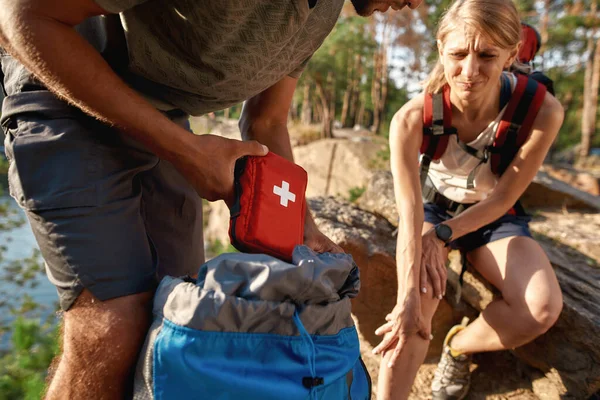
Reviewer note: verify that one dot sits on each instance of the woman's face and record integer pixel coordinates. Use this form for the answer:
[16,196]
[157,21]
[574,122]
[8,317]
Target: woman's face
[472,63]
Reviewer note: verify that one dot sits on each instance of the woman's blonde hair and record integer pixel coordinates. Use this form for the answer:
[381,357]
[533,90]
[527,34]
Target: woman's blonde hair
[498,20]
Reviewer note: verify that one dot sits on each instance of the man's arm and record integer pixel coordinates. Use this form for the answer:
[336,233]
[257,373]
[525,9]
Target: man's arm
[264,119]
[265,116]
[41,35]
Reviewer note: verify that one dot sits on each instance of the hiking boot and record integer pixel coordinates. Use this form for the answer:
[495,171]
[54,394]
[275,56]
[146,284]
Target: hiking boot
[452,377]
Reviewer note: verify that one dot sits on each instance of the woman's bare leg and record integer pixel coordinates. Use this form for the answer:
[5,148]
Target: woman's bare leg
[531,297]
[395,383]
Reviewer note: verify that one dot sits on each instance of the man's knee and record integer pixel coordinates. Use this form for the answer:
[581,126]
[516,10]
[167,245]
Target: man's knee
[105,333]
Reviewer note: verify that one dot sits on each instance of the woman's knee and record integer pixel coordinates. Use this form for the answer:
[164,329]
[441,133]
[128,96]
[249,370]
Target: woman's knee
[429,303]
[538,314]
[547,311]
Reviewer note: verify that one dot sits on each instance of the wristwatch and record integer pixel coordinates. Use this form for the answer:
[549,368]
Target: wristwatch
[444,233]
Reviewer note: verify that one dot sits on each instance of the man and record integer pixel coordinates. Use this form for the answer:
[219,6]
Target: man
[114,199]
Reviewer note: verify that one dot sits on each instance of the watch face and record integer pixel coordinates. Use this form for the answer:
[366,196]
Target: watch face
[443,232]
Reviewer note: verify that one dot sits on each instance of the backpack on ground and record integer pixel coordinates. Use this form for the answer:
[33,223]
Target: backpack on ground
[254,327]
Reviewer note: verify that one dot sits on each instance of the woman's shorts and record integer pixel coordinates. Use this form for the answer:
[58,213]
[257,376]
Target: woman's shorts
[506,226]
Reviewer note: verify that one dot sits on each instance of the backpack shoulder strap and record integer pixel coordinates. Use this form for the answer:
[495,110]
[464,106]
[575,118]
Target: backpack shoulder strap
[505,91]
[437,128]
[437,123]
[516,123]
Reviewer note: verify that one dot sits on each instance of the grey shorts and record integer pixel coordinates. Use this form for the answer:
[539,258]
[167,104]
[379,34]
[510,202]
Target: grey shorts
[108,215]
[515,223]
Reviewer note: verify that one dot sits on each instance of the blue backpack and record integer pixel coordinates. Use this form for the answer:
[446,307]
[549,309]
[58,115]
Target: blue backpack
[254,327]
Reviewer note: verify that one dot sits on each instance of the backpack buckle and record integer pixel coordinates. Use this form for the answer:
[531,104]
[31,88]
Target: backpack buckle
[437,130]
[486,154]
[310,382]
[513,128]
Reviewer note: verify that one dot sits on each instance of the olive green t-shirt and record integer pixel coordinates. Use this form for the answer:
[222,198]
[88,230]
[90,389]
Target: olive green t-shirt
[202,56]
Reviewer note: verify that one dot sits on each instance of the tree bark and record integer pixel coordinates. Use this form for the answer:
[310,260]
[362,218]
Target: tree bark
[360,115]
[317,111]
[590,97]
[380,80]
[594,94]
[306,114]
[347,94]
[355,98]
[544,30]
[325,91]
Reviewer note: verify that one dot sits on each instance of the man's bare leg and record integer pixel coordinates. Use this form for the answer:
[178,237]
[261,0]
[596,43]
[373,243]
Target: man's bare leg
[100,344]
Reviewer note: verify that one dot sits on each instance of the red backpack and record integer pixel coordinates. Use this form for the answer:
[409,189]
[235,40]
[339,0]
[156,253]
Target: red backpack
[531,42]
[514,128]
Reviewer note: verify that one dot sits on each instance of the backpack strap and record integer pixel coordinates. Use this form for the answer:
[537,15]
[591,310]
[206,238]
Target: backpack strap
[483,155]
[437,128]
[505,91]
[516,123]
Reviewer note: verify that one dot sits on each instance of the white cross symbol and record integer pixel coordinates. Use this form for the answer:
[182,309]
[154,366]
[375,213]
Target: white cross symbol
[284,193]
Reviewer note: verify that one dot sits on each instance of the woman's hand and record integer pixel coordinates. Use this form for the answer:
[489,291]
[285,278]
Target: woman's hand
[405,321]
[433,264]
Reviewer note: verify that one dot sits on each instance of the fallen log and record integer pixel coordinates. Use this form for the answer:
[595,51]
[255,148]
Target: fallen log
[568,354]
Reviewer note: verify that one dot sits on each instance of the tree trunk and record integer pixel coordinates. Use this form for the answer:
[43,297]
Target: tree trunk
[592,106]
[360,115]
[326,96]
[306,114]
[356,88]
[590,99]
[317,111]
[293,111]
[544,30]
[376,87]
[226,113]
[380,78]
[332,99]
[347,94]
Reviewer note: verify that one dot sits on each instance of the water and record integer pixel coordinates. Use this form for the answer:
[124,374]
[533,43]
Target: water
[19,244]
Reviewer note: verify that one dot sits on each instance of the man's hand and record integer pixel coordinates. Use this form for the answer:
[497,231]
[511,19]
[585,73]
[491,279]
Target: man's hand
[405,321]
[433,264]
[209,161]
[316,240]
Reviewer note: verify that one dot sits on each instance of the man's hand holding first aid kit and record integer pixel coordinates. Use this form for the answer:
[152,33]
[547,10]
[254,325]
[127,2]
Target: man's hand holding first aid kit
[270,214]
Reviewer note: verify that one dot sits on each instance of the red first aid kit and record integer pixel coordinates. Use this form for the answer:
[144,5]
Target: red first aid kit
[268,215]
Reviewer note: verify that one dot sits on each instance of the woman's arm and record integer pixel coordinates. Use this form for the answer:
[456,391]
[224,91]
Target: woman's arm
[405,140]
[517,176]
[406,319]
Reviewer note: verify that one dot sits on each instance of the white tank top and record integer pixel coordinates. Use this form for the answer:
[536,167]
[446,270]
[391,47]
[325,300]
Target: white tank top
[451,172]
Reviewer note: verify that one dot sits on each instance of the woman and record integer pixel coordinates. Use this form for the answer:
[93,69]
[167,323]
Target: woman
[478,41]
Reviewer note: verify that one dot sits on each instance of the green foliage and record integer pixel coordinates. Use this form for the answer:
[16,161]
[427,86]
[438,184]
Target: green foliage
[217,247]
[3,175]
[23,370]
[33,341]
[355,193]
